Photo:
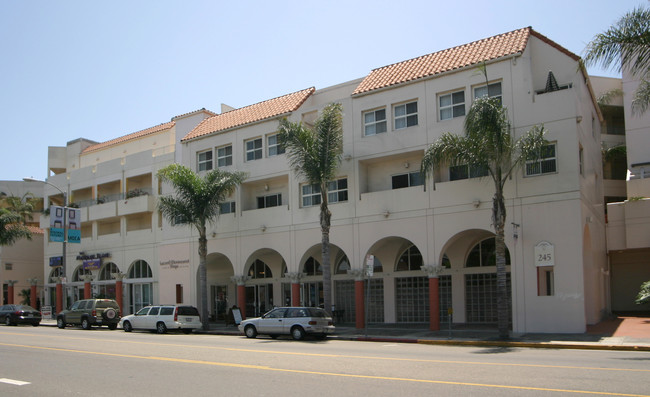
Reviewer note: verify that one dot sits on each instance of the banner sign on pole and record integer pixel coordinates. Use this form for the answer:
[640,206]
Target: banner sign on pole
[56,223]
[74,225]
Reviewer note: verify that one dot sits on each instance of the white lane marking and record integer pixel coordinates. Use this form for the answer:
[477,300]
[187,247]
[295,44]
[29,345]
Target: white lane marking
[14,382]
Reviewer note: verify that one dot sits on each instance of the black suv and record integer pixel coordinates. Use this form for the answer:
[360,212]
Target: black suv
[89,312]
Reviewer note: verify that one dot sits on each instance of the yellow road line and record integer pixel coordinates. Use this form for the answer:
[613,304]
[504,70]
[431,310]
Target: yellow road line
[430,361]
[296,371]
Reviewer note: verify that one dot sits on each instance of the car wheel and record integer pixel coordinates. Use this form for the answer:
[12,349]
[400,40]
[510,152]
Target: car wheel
[322,336]
[112,326]
[127,326]
[85,324]
[34,324]
[187,331]
[274,336]
[161,328]
[7,321]
[297,333]
[250,331]
[60,322]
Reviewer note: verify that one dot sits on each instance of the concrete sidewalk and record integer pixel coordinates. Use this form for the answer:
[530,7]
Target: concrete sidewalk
[618,333]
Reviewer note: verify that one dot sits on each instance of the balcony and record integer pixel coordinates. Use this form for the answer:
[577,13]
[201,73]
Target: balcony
[269,217]
[135,205]
[102,211]
[397,200]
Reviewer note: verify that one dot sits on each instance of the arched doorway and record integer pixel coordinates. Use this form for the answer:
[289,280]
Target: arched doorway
[140,279]
[259,295]
[222,292]
[105,281]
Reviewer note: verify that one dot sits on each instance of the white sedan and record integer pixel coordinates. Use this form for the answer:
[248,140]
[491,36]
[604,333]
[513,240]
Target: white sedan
[294,321]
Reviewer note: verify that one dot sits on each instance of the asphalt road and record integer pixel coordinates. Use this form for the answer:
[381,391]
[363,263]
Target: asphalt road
[100,362]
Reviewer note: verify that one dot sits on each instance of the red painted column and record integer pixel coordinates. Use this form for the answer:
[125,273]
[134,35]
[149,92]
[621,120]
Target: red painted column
[241,300]
[33,297]
[87,292]
[119,285]
[434,304]
[10,293]
[59,296]
[295,294]
[359,304]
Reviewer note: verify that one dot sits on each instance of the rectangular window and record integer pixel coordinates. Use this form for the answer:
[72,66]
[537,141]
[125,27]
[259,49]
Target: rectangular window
[274,148]
[545,282]
[227,208]
[337,191]
[463,171]
[205,160]
[407,180]
[224,156]
[374,122]
[547,163]
[9,266]
[452,105]
[254,149]
[491,90]
[406,115]
[272,200]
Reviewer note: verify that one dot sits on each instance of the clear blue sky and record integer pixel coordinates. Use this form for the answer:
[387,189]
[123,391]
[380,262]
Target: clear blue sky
[100,70]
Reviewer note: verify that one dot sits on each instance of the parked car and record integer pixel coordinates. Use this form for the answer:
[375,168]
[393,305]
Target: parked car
[20,314]
[89,312]
[294,321]
[161,318]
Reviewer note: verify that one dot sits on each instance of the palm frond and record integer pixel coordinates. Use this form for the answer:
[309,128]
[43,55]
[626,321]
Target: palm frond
[641,99]
[607,97]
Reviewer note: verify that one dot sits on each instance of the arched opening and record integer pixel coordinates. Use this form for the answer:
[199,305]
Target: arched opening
[105,281]
[140,279]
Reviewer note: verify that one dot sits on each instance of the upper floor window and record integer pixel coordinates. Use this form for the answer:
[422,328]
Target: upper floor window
[491,90]
[406,115]
[272,200]
[337,191]
[463,171]
[224,156]
[546,164]
[227,208]
[254,149]
[452,105]
[273,146]
[205,160]
[374,122]
[406,180]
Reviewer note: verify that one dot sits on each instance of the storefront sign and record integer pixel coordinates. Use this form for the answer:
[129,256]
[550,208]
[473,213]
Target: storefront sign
[56,261]
[82,256]
[175,263]
[92,264]
[544,254]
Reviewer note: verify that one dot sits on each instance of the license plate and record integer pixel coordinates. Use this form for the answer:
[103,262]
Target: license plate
[188,319]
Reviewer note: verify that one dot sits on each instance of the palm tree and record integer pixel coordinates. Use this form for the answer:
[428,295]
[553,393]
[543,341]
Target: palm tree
[15,213]
[488,145]
[626,45]
[316,155]
[197,203]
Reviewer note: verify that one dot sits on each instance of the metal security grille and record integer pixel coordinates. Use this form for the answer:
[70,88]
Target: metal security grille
[344,290]
[444,292]
[412,299]
[376,301]
[481,298]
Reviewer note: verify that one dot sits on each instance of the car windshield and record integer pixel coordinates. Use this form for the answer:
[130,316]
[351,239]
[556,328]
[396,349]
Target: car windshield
[106,304]
[315,312]
[188,311]
[25,308]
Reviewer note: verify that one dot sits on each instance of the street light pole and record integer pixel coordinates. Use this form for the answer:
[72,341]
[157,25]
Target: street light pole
[65,230]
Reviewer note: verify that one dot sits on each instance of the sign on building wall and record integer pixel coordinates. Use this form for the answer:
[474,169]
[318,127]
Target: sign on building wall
[370,265]
[544,254]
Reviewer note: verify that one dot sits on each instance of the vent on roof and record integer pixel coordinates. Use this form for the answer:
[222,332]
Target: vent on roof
[552,85]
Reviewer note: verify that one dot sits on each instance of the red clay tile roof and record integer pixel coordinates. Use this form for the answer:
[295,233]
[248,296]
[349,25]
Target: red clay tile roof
[35,230]
[125,138]
[250,114]
[495,47]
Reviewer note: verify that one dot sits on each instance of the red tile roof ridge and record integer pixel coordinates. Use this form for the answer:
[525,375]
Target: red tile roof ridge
[473,53]
[252,113]
[134,135]
[202,110]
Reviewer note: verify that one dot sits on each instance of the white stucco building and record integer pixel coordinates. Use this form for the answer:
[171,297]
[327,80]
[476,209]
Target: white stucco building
[265,248]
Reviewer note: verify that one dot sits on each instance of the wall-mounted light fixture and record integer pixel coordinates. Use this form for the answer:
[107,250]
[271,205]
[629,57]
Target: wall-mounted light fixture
[386,214]
[476,203]
[263,228]
[406,164]
[266,187]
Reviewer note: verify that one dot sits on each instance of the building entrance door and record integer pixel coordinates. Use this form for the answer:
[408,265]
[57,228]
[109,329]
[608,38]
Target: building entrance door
[259,299]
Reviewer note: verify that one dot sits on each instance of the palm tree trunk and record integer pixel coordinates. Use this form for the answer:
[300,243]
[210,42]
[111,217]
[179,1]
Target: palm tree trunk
[203,278]
[325,219]
[499,218]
